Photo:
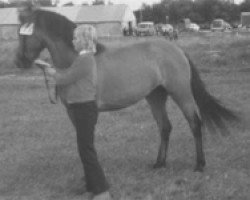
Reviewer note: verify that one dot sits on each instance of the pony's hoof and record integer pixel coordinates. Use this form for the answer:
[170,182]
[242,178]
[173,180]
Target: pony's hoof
[200,166]
[159,165]
[199,169]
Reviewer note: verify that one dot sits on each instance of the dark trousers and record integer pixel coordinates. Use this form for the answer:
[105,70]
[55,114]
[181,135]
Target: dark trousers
[84,117]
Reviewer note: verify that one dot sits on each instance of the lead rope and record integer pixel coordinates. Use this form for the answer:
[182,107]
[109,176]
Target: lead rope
[53,100]
[41,64]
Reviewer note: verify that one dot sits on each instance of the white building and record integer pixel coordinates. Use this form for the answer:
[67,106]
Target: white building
[109,20]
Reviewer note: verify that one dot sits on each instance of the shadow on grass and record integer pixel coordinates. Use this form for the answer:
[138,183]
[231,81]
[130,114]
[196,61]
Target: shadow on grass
[50,175]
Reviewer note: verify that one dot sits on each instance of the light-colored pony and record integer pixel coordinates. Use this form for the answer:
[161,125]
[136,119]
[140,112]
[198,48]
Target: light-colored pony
[153,69]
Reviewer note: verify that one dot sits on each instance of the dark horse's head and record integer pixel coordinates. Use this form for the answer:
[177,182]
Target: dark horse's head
[35,26]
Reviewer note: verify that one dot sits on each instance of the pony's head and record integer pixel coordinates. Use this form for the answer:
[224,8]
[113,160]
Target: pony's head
[35,27]
[29,47]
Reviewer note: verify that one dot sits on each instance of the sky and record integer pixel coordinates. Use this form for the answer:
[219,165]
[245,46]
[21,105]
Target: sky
[134,4]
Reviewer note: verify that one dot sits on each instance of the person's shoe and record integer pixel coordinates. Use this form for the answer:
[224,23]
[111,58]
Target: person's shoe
[102,196]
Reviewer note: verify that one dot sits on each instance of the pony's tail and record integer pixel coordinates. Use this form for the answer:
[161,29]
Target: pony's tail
[213,113]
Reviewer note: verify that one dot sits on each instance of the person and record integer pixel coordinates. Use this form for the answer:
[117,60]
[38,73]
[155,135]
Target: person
[76,87]
[175,34]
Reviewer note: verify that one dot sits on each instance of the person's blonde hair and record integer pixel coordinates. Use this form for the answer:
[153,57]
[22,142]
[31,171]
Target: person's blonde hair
[87,33]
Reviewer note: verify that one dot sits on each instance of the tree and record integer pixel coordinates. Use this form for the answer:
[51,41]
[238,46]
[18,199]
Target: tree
[43,2]
[110,3]
[98,2]
[245,6]
[159,13]
[199,11]
[180,9]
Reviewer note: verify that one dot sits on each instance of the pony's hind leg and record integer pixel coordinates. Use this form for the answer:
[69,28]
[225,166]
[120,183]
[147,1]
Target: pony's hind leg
[157,101]
[188,106]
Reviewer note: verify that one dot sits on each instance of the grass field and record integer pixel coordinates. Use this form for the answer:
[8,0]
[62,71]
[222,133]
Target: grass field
[39,160]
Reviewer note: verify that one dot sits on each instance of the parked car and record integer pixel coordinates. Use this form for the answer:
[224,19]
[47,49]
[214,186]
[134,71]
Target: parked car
[164,29]
[167,28]
[158,28]
[145,28]
[193,27]
[205,26]
[220,25]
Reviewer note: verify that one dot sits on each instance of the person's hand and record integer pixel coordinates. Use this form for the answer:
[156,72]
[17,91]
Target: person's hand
[50,71]
[42,64]
[46,67]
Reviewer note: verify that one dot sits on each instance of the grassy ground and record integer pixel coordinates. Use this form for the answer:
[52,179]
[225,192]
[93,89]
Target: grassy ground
[38,156]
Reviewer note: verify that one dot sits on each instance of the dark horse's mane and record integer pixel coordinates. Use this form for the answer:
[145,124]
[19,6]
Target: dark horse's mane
[59,27]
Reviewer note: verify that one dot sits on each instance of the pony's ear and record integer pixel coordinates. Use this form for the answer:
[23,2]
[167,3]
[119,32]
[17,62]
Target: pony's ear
[25,10]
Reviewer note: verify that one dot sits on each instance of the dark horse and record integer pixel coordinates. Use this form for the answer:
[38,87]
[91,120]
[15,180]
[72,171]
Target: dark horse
[153,69]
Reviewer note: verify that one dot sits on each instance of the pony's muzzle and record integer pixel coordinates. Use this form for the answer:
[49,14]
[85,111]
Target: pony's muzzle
[22,63]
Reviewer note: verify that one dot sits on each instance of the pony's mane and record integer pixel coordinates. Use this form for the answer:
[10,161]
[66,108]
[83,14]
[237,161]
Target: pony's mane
[55,25]
[59,27]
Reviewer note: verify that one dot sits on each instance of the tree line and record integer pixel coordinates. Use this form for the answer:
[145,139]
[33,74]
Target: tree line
[174,11]
[198,11]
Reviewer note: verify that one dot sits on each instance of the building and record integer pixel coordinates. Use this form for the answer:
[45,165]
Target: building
[109,20]
[8,23]
[245,19]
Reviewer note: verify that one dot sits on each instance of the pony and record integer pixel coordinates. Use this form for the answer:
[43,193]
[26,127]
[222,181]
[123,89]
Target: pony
[154,70]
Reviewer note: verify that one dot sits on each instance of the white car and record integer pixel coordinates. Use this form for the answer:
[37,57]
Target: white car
[167,28]
[193,27]
[220,25]
[145,28]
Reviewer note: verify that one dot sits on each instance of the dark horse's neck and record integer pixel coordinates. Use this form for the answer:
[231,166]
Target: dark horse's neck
[62,55]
